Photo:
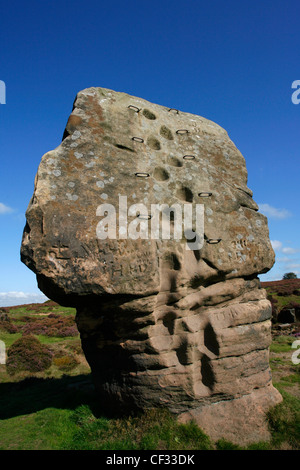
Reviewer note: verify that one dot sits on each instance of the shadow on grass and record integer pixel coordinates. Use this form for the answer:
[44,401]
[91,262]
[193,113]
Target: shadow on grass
[34,394]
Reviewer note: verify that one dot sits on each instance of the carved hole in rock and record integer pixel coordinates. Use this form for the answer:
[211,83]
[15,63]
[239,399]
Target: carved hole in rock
[148,114]
[210,339]
[182,352]
[197,254]
[173,161]
[160,174]
[166,133]
[196,281]
[169,321]
[173,283]
[185,194]
[208,376]
[171,261]
[153,143]
[123,147]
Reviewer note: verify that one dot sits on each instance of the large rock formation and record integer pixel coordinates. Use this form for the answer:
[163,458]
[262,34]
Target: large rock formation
[162,322]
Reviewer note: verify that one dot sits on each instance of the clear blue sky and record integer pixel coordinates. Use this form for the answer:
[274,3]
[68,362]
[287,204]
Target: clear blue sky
[231,61]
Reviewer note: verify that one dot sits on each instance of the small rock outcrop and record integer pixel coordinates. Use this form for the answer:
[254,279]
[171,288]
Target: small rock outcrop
[171,321]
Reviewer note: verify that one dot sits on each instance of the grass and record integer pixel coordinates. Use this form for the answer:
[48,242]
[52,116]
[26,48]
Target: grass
[9,338]
[155,429]
[80,430]
[58,410]
[284,421]
[42,430]
[74,421]
[39,413]
[15,313]
[281,344]
[282,300]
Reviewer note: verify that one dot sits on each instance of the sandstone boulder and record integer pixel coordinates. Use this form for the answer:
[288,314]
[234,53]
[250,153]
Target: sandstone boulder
[179,322]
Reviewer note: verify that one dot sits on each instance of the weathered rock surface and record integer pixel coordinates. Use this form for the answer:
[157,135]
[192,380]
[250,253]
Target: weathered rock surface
[161,325]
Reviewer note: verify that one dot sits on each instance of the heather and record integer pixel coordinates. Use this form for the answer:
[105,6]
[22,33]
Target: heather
[52,325]
[28,354]
[285,287]
[45,320]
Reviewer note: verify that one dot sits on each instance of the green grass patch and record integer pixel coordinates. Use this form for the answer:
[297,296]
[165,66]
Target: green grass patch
[16,313]
[281,344]
[291,379]
[44,339]
[223,444]
[43,430]
[152,430]
[277,361]
[283,301]
[284,422]
[9,338]
[50,414]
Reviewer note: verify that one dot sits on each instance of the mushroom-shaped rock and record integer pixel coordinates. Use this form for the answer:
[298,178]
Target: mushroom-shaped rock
[143,221]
